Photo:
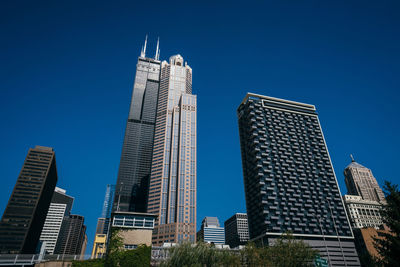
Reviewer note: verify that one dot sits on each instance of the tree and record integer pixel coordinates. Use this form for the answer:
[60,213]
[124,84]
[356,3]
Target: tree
[389,246]
[289,252]
[139,256]
[200,255]
[114,249]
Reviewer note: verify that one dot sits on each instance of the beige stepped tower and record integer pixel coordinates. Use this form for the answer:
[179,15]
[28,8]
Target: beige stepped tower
[172,191]
[360,181]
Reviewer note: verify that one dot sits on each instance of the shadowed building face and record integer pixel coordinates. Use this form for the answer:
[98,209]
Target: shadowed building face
[26,211]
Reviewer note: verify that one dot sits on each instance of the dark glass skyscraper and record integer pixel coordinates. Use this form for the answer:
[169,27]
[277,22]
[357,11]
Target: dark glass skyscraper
[72,236]
[290,184]
[131,189]
[26,211]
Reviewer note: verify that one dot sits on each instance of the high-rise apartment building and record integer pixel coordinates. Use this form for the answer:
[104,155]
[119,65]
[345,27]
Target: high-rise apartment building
[131,190]
[72,236]
[211,231]
[289,181]
[360,181]
[172,193]
[26,211]
[60,207]
[236,230]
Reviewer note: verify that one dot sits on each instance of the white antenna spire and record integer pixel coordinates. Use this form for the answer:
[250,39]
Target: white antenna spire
[143,52]
[157,56]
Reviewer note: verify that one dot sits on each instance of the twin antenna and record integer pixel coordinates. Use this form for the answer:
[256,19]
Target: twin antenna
[143,52]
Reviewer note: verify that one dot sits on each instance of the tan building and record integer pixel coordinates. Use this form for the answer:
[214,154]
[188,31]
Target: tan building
[136,228]
[172,192]
[360,181]
[99,246]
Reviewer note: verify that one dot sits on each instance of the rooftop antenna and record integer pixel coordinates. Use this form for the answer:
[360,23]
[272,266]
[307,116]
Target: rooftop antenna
[157,56]
[143,52]
[352,158]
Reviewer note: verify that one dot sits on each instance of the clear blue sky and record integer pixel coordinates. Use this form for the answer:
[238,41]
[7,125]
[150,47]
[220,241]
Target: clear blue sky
[67,69]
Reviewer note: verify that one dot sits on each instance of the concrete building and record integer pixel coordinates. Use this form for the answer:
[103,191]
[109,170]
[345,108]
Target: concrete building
[60,207]
[172,193]
[361,182]
[136,228]
[211,232]
[363,213]
[25,213]
[131,190]
[289,181]
[236,230]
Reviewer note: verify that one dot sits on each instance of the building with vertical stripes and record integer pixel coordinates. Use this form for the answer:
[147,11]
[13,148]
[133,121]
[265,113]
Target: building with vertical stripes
[60,207]
[131,189]
[172,191]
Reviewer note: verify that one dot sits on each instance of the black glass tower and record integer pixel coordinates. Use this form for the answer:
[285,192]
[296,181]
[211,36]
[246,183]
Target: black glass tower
[290,184]
[26,211]
[131,189]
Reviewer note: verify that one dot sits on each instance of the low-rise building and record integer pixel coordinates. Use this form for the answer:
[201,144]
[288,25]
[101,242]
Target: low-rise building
[136,228]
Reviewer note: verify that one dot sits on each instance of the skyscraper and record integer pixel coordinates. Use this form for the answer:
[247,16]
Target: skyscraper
[211,231]
[72,236]
[103,222]
[172,193]
[360,181]
[236,230]
[134,170]
[25,214]
[60,207]
[290,184]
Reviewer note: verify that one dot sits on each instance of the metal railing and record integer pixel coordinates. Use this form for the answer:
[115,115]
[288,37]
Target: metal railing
[30,259]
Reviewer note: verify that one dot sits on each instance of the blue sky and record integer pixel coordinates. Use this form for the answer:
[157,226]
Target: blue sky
[67,69]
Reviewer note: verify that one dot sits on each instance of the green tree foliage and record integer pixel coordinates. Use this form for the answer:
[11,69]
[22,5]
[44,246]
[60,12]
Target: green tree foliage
[289,252]
[115,248]
[286,252]
[136,257]
[200,255]
[389,246]
[117,256]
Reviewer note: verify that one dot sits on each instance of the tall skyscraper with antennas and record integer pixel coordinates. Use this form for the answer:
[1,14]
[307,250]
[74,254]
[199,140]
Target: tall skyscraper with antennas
[157,173]
[131,189]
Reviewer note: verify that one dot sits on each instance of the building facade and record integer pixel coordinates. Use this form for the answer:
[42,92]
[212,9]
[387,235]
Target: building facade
[211,231]
[363,213]
[361,182]
[236,230]
[60,207]
[137,228]
[131,190]
[289,181]
[172,193]
[25,214]
[72,236]
[99,246]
